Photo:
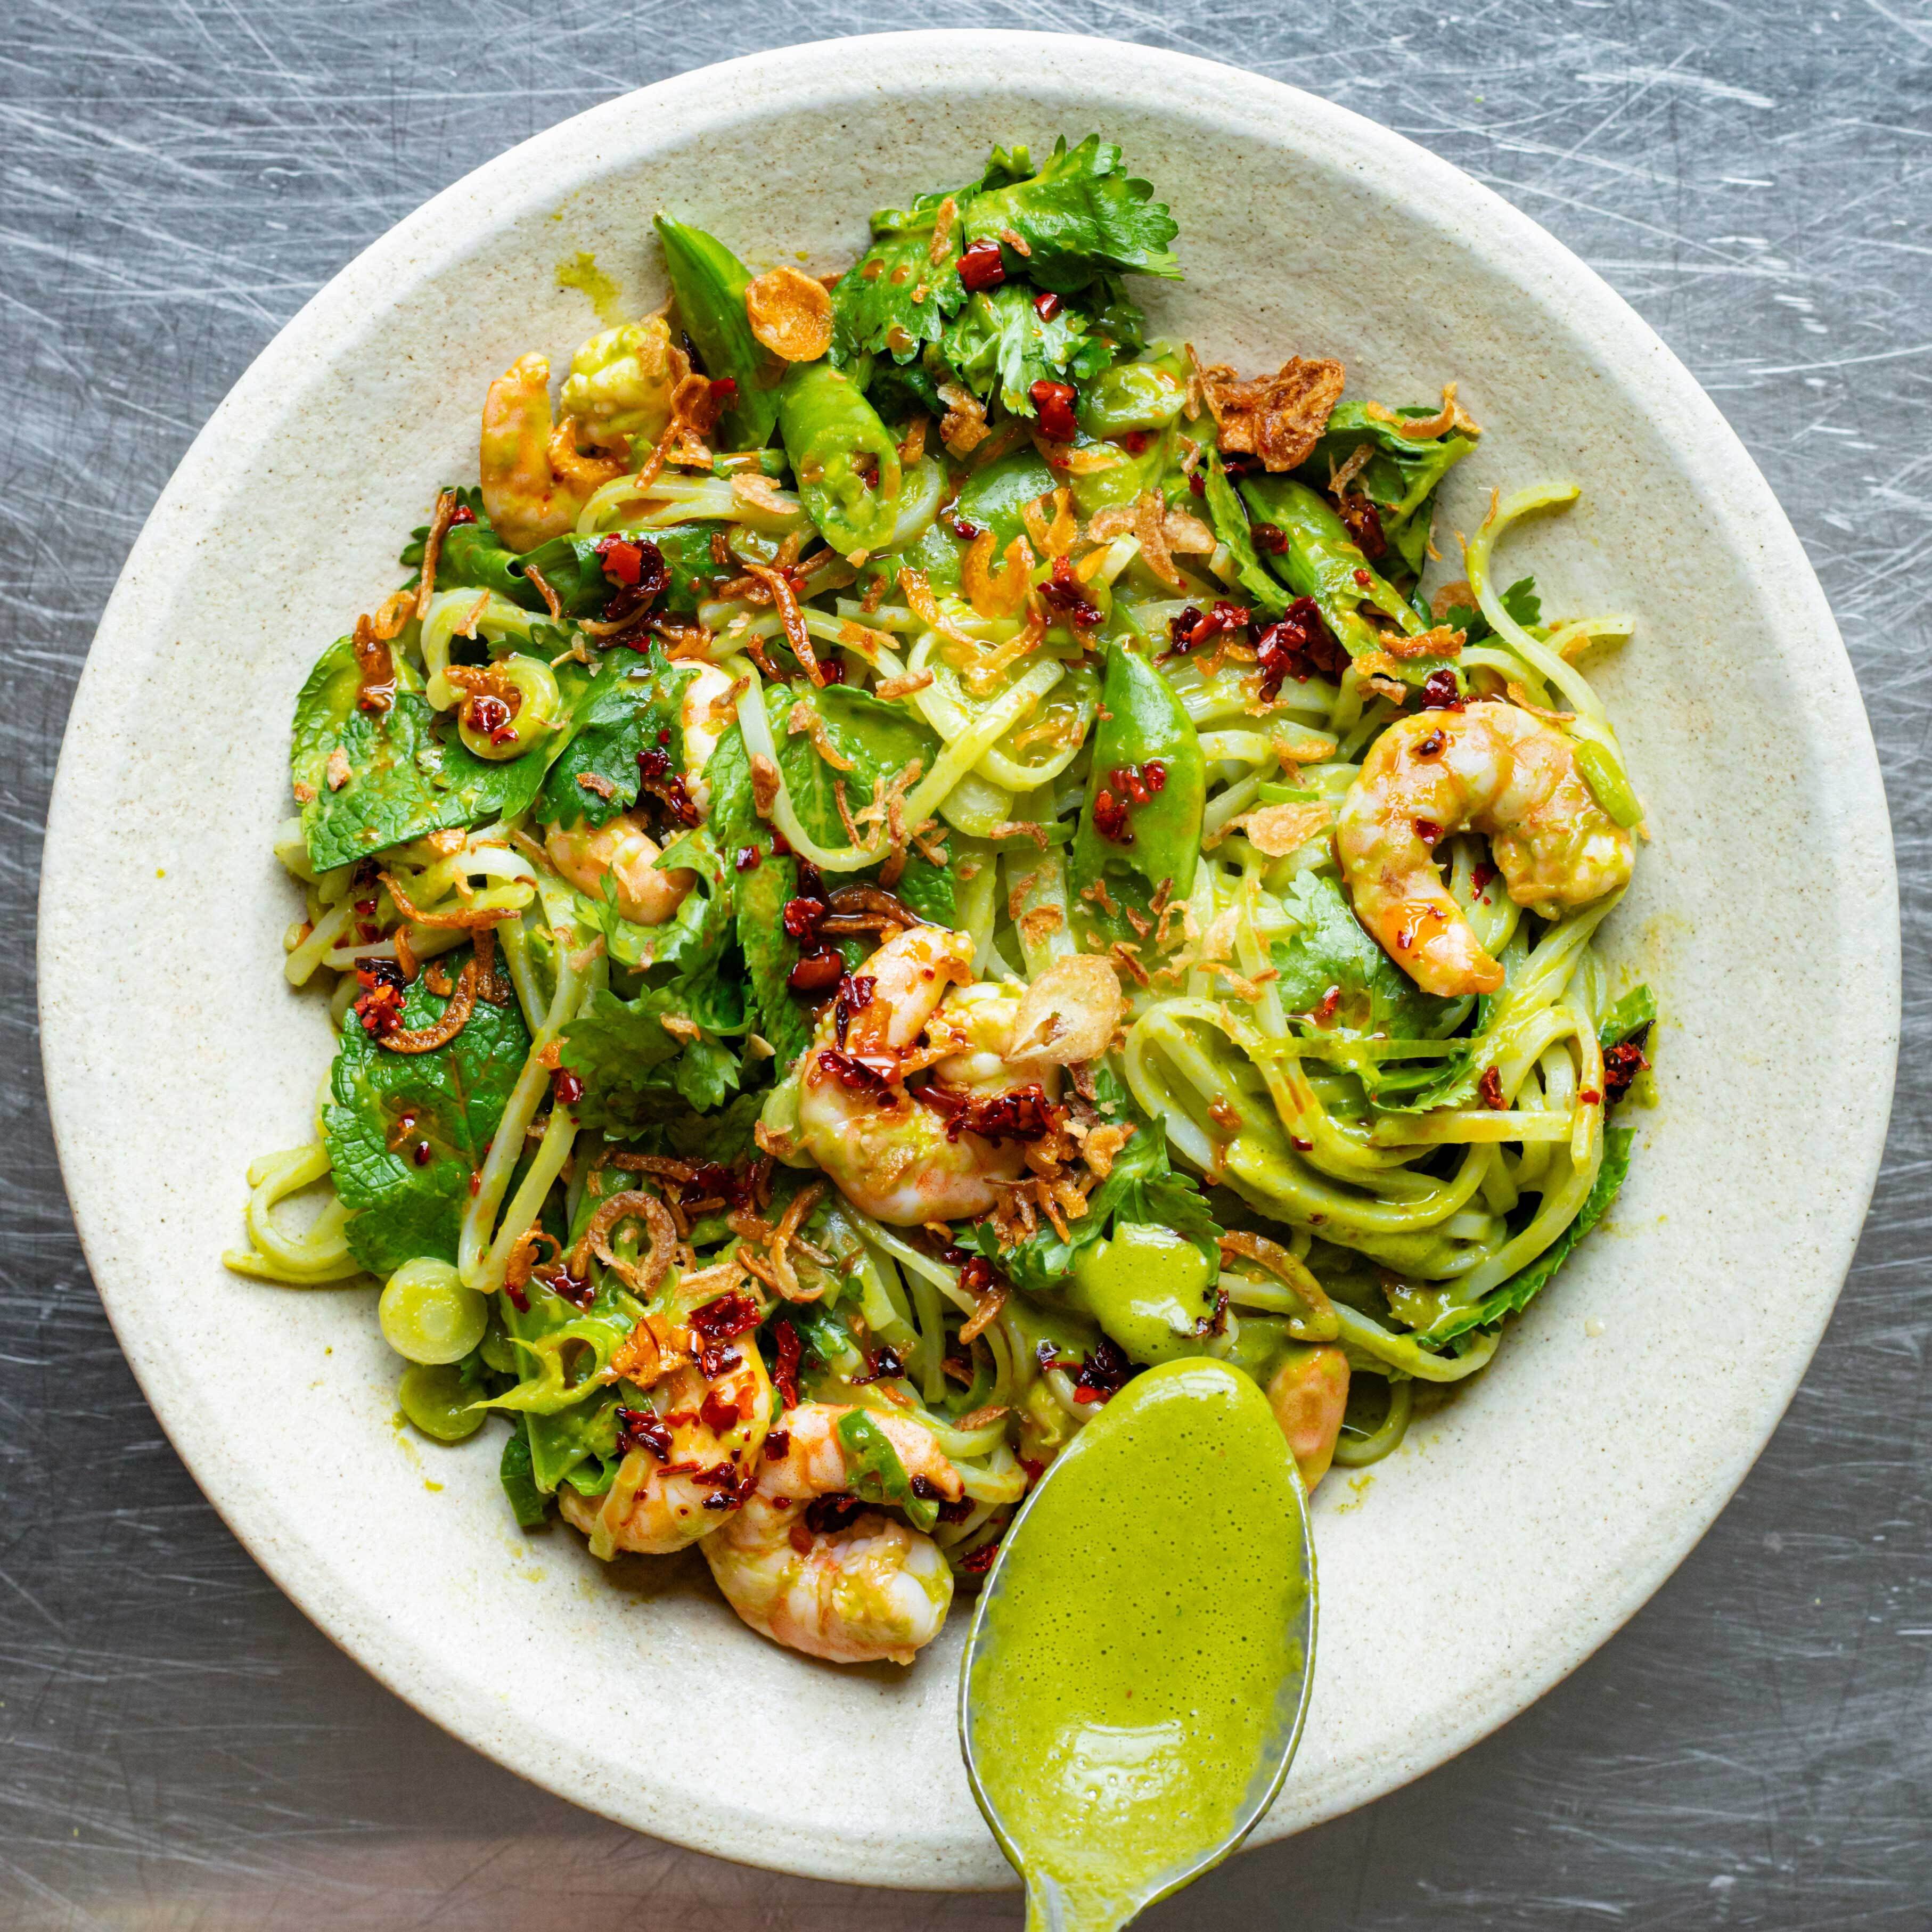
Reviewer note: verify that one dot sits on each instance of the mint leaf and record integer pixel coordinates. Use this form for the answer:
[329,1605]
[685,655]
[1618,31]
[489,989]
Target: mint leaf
[409,772]
[875,1473]
[1082,215]
[385,1106]
[1521,1287]
[630,705]
[878,740]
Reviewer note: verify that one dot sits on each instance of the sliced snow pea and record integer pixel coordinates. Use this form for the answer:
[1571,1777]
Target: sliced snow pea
[1148,785]
[845,459]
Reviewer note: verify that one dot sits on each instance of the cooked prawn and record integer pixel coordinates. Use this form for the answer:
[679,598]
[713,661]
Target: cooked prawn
[876,1589]
[890,1155]
[716,1430]
[1492,768]
[535,482]
[1309,1395]
[706,711]
[620,850]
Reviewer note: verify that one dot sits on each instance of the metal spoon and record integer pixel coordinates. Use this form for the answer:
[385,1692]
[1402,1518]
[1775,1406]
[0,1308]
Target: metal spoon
[1138,1666]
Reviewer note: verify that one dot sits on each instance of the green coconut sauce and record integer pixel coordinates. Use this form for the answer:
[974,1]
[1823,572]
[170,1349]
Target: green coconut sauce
[1138,1667]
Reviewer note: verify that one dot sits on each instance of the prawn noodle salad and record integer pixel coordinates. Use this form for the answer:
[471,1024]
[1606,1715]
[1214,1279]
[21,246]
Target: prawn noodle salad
[912,851]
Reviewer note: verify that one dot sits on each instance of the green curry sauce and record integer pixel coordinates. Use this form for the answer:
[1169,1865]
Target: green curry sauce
[1138,1668]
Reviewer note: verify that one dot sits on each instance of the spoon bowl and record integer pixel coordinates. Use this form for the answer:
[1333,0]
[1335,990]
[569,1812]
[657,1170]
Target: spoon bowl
[1138,1670]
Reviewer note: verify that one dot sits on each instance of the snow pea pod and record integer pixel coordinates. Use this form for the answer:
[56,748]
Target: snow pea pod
[845,459]
[1148,785]
[1321,560]
[709,283]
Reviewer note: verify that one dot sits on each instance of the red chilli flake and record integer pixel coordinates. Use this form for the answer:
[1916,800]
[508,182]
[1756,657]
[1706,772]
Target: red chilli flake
[1623,1063]
[977,1562]
[1364,522]
[723,391]
[777,1444]
[790,1352]
[1271,539]
[982,267]
[1023,1114]
[1110,818]
[566,1086]
[854,997]
[655,776]
[380,1005]
[1104,1372]
[719,1412]
[638,572]
[884,1365]
[574,1289]
[1298,644]
[1054,402]
[748,859]
[1428,831]
[856,1076]
[1363,578]
[1191,628]
[730,1315]
[642,1429]
[1482,878]
[817,972]
[714,1358]
[490,716]
[1197,483]
[1431,745]
[1490,1087]
[1440,692]
[462,513]
[1134,442]
[1064,591]
[1046,304]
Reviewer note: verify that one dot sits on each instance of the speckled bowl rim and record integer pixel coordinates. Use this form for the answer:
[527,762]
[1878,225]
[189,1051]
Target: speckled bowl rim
[670,112]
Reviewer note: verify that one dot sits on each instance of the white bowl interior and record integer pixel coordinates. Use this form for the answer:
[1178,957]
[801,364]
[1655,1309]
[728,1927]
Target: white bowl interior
[1512,1533]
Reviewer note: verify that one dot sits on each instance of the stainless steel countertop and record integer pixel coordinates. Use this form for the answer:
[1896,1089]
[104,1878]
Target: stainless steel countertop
[178,1747]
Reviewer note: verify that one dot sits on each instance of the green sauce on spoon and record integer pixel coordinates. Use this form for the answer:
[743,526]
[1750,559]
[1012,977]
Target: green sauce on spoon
[1138,1666]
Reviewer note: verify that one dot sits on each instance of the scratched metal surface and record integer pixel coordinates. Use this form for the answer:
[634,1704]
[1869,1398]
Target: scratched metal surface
[178,1746]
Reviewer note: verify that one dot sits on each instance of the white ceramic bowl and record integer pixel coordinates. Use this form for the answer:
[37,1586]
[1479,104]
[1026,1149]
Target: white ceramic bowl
[1512,1534]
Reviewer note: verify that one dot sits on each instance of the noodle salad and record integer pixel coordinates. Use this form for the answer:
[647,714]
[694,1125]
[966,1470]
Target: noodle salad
[909,851]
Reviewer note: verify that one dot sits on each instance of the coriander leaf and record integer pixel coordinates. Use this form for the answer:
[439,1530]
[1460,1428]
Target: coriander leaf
[875,1473]
[408,771]
[1633,1013]
[1521,1287]
[1081,216]
[1519,600]
[999,343]
[1328,948]
[896,296]
[385,1106]
[635,1072]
